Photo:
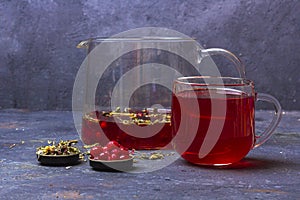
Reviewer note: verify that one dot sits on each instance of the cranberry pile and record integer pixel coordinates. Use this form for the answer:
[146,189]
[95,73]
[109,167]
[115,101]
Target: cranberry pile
[112,151]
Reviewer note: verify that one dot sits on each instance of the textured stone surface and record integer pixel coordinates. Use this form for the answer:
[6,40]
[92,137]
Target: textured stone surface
[268,172]
[39,61]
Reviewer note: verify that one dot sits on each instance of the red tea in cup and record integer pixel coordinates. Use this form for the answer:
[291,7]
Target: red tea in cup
[237,136]
[192,118]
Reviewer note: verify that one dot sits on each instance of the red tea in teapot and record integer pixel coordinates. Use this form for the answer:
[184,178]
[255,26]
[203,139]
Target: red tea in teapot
[133,129]
[237,136]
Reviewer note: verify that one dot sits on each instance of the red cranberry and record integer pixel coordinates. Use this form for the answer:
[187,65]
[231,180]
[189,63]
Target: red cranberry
[112,145]
[95,151]
[103,156]
[103,124]
[113,157]
[123,148]
[104,149]
[115,151]
[112,151]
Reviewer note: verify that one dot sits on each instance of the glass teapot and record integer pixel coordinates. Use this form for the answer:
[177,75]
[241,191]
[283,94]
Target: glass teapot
[123,89]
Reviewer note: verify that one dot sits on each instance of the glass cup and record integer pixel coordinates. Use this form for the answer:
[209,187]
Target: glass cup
[213,120]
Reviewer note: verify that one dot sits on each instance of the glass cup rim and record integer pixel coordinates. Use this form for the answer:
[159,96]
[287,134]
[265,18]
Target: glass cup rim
[237,81]
[86,42]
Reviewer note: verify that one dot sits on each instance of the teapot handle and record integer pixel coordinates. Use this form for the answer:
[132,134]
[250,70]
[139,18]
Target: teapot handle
[230,56]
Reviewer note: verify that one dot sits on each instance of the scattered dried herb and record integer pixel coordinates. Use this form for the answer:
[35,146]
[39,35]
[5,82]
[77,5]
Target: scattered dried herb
[156,155]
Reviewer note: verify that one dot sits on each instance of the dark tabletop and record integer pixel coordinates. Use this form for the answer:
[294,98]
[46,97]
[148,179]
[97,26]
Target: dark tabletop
[268,172]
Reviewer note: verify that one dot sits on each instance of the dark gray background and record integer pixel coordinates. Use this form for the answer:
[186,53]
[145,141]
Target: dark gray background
[39,59]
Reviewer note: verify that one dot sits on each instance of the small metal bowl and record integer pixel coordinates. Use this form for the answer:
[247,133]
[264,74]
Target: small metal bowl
[59,160]
[112,165]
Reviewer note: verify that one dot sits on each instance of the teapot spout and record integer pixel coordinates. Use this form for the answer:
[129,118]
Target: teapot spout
[83,44]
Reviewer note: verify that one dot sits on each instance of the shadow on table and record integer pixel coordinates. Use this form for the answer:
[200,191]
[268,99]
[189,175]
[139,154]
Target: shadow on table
[252,164]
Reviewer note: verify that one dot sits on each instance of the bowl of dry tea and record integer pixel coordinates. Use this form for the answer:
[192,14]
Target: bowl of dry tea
[59,154]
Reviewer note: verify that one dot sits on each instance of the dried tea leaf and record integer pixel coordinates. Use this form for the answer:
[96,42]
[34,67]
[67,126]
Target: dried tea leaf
[62,148]
[90,146]
[156,156]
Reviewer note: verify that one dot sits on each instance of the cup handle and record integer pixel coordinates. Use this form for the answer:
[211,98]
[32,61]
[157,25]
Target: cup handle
[264,136]
[230,56]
